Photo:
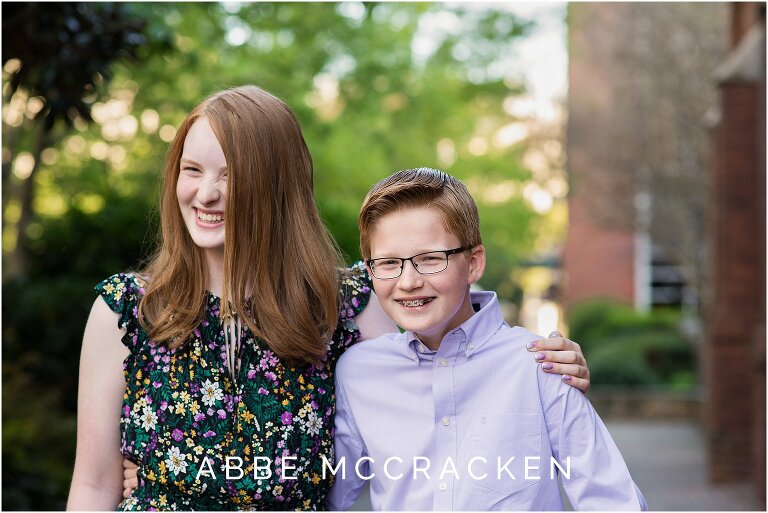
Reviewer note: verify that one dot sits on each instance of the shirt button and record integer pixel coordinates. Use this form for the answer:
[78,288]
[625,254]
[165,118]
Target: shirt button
[443,363]
[443,487]
[471,346]
[445,421]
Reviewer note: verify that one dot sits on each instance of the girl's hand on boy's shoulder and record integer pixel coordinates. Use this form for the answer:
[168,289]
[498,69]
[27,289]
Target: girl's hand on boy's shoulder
[558,355]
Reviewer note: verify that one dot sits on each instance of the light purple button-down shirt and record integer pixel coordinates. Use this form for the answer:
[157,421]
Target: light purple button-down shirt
[475,425]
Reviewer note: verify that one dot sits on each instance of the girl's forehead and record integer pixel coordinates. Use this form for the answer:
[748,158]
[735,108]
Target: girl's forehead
[202,146]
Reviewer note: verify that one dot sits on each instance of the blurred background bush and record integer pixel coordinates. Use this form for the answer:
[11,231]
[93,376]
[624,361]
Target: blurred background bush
[631,348]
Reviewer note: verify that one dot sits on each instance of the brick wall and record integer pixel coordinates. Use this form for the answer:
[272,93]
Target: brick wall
[598,261]
[735,363]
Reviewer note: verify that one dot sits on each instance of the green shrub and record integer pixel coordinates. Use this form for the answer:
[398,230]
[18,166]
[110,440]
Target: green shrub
[624,347]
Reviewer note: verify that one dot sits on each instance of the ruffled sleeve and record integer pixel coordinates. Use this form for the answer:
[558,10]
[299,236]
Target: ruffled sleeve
[354,294]
[122,293]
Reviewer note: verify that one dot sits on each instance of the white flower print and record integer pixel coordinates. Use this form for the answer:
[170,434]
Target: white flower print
[148,418]
[175,461]
[211,393]
[313,423]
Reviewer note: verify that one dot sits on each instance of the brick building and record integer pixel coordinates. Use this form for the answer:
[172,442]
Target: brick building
[610,252]
[609,255]
[736,345]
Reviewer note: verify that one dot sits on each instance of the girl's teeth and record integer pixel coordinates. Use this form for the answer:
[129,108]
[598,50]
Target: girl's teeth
[209,217]
[415,302]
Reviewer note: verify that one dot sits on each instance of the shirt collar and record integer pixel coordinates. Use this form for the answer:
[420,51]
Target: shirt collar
[478,329]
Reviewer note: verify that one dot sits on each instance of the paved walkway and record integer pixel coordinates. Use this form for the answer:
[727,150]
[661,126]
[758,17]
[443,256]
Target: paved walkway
[667,461]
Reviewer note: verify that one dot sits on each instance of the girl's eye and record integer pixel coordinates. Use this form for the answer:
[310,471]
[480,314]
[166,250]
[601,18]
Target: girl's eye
[190,169]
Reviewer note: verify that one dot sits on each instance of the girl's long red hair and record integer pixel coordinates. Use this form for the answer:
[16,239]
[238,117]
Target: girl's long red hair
[277,251]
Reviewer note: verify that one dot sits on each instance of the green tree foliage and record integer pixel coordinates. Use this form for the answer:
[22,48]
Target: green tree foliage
[376,87]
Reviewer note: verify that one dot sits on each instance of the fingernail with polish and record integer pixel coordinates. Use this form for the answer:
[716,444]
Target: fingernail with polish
[567,378]
[531,345]
[540,356]
[547,366]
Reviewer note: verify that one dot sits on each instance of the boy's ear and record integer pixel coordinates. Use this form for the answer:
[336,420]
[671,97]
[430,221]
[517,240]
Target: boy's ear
[476,264]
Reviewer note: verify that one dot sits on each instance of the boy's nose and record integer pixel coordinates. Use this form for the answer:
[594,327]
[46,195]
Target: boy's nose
[410,277]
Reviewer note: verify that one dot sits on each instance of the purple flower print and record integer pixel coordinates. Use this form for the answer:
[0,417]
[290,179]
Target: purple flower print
[177,435]
[209,434]
[286,418]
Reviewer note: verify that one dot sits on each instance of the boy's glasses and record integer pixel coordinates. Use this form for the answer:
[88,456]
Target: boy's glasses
[430,262]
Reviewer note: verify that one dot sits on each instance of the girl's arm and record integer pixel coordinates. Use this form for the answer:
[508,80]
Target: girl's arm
[97,480]
[373,322]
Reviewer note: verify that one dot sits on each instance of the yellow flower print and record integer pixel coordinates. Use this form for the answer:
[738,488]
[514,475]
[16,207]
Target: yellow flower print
[180,410]
[247,416]
[109,288]
[194,408]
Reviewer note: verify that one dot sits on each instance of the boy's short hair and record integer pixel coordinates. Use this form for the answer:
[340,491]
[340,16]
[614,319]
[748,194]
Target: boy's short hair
[421,188]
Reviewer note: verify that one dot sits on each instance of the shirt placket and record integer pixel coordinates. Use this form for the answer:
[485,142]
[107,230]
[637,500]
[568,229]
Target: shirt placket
[444,422]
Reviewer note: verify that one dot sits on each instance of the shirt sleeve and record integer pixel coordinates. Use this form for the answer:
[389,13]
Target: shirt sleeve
[599,478]
[348,448]
[122,293]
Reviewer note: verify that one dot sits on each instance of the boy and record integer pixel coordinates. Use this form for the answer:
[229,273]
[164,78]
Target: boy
[449,415]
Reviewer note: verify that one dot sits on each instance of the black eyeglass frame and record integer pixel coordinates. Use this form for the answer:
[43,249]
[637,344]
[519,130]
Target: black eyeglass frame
[448,252]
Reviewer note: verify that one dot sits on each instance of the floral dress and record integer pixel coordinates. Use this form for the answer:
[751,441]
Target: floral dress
[205,442]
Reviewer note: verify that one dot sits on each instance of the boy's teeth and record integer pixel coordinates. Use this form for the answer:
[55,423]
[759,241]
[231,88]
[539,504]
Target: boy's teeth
[414,302]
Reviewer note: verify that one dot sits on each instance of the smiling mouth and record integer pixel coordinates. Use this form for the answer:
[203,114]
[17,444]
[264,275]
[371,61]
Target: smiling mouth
[415,302]
[210,218]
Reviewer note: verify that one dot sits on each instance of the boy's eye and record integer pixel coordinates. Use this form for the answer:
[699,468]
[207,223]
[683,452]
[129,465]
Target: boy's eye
[388,262]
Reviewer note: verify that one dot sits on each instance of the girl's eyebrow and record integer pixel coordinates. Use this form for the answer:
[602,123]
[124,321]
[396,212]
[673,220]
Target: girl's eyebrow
[190,161]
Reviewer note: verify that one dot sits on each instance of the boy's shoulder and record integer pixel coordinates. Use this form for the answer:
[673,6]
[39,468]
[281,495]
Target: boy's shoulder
[369,352]
[511,339]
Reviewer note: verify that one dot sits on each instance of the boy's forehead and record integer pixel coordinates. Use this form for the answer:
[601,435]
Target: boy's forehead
[411,229]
